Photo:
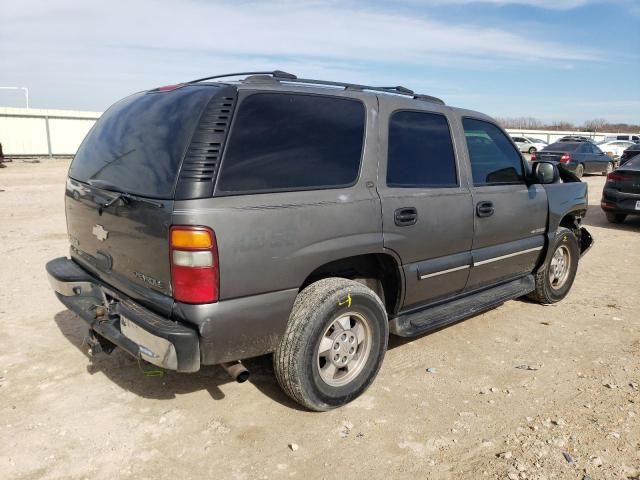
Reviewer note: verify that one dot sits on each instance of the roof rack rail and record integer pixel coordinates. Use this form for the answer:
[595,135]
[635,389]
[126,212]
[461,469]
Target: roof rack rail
[398,90]
[275,73]
[291,78]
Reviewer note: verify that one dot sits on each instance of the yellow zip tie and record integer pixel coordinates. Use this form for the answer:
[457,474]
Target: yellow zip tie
[346,302]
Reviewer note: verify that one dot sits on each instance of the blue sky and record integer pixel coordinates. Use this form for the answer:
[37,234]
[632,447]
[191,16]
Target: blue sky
[551,59]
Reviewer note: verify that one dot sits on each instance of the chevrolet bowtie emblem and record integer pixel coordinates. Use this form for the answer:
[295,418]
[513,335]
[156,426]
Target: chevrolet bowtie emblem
[100,233]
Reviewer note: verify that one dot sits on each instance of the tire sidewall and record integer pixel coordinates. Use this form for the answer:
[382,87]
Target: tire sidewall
[308,370]
[567,238]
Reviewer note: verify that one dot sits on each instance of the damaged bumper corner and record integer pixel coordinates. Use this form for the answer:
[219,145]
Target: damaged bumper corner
[123,322]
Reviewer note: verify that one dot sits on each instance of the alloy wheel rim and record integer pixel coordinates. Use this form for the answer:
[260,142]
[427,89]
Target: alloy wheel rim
[559,267]
[344,349]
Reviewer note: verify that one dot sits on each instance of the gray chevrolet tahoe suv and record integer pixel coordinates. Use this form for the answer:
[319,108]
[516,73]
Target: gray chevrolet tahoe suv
[214,220]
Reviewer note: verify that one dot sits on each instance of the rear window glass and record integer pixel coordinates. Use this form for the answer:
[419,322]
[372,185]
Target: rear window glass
[634,162]
[564,146]
[138,144]
[293,142]
[420,151]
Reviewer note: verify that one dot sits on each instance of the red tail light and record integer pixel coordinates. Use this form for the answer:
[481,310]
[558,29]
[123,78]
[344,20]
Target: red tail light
[617,177]
[195,274]
[565,158]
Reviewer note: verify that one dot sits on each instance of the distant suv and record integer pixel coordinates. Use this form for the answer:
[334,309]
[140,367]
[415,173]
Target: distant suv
[214,221]
[623,137]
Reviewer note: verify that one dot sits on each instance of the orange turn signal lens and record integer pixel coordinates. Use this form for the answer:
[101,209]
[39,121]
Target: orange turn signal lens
[190,239]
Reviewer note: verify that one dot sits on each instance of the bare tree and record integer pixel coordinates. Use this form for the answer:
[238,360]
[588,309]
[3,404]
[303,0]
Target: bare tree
[594,125]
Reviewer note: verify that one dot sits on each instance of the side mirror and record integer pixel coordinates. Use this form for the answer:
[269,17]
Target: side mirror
[546,172]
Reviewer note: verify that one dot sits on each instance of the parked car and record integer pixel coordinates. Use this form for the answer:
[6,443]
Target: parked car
[577,157]
[616,148]
[229,219]
[621,193]
[629,153]
[575,138]
[528,145]
[626,137]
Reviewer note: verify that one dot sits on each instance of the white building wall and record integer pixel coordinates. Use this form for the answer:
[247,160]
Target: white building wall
[67,134]
[23,131]
[23,135]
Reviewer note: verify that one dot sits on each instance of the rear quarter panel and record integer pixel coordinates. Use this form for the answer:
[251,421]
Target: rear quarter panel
[272,241]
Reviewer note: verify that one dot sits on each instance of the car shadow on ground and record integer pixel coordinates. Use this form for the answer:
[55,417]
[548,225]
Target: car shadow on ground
[149,381]
[596,218]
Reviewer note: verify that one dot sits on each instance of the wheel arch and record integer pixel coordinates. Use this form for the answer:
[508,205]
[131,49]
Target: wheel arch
[384,267]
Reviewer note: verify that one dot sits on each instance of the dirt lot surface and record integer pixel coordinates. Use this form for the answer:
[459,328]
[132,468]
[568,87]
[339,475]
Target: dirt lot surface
[478,413]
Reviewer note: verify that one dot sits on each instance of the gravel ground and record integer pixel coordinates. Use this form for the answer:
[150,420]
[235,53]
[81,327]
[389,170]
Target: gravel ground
[522,391]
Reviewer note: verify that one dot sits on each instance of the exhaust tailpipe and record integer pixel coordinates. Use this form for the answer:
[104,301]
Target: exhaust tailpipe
[236,370]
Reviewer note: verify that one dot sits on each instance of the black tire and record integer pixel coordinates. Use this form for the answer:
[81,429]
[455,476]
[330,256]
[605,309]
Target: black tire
[546,292]
[297,361]
[580,170]
[615,217]
[609,169]
[532,150]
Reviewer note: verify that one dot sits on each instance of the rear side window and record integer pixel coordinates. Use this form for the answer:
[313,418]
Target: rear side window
[494,160]
[138,144]
[420,151]
[293,142]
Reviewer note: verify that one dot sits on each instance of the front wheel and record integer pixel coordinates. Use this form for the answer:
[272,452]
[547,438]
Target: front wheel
[555,277]
[333,345]
[609,169]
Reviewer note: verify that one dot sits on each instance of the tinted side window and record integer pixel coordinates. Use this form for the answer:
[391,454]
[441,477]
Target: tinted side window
[420,151]
[289,141]
[494,160]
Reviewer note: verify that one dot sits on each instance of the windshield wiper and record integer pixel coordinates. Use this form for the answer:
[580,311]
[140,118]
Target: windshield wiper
[124,196]
[127,196]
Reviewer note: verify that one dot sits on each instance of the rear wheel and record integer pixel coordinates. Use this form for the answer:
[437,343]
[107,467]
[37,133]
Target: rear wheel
[580,170]
[555,277]
[615,217]
[334,344]
[609,169]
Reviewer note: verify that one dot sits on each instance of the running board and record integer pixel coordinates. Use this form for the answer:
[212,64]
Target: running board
[433,318]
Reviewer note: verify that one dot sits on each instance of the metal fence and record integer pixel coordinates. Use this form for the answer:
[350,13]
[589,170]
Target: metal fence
[31,132]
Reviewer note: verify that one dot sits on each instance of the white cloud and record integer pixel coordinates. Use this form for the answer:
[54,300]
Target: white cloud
[293,29]
[543,4]
[86,55]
